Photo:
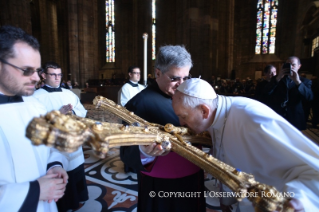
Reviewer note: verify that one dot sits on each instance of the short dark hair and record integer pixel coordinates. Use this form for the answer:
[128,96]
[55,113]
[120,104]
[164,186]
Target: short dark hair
[267,68]
[130,69]
[10,35]
[294,57]
[50,64]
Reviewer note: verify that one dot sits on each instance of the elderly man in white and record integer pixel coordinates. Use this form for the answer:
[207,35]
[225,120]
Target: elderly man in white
[250,136]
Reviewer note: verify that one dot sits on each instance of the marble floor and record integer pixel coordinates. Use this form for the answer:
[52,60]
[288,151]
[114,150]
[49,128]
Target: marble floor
[111,189]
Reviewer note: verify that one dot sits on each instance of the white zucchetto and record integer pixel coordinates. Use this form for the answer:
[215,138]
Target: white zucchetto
[198,88]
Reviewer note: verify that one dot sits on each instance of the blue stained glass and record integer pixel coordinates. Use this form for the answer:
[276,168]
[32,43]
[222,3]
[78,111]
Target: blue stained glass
[266,21]
[110,34]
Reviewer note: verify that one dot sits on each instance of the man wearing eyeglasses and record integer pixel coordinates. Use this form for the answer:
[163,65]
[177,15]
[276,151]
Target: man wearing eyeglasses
[56,98]
[160,171]
[31,177]
[132,87]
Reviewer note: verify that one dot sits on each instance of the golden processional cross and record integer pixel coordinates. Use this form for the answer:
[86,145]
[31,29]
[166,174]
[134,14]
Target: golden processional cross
[68,132]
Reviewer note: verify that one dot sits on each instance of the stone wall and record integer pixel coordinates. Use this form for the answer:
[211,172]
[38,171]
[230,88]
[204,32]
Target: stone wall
[220,35]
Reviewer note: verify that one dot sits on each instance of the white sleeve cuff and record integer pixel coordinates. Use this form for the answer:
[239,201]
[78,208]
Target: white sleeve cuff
[145,158]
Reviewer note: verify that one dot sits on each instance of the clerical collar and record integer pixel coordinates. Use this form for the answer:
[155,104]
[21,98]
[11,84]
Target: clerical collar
[132,83]
[50,89]
[10,99]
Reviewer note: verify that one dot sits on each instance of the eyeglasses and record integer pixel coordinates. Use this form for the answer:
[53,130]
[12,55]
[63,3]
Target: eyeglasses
[26,72]
[55,75]
[177,79]
[137,73]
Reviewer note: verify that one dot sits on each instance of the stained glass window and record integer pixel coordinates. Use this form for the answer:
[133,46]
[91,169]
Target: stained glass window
[266,26]
[153,29]
[110,31]
[315,44]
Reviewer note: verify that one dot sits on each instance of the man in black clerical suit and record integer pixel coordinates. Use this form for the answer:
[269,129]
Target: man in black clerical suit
[287,90]
[260,95]
[160,171]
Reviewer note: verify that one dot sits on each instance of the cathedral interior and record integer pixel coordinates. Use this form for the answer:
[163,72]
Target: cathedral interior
[222,36]
[95,41]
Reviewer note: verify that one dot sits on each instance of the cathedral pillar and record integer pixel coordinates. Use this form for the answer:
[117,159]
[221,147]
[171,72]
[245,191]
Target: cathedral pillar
[49,31]
[16,13]
[83,40]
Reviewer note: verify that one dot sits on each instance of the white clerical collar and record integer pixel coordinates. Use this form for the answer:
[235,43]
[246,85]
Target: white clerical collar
[51,86]
[221,113]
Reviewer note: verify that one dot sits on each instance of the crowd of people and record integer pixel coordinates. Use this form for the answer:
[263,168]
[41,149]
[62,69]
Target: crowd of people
[234,87]
[267,91]
[258,137]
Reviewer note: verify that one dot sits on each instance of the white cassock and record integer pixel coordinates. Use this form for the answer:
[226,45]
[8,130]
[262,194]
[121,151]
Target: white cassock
[257,140]
[21,162]
[128,91]
[54,101]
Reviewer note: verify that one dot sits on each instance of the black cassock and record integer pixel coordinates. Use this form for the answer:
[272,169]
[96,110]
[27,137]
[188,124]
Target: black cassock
[155,106]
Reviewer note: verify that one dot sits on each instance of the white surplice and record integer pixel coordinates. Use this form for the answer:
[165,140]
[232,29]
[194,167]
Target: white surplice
[20,161]
[127,92]
[54,101]
[257,140]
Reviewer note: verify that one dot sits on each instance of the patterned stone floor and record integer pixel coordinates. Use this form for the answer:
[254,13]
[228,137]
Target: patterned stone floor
[111,189]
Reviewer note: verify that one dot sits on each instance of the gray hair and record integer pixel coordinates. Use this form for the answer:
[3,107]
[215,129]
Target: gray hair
[169,56]
[193,102]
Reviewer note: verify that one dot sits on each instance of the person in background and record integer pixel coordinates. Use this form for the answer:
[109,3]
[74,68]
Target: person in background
[56,98]
[69,84]
[315,102]
[287,90]
[132,87]
[260,95]
[76,85]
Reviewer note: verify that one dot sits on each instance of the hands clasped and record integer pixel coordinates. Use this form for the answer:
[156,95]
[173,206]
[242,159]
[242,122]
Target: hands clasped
[52,185]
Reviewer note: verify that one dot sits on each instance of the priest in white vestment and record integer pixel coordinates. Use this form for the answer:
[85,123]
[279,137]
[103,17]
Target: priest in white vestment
[56,98]
[132,87]
[250,136]
[32,178]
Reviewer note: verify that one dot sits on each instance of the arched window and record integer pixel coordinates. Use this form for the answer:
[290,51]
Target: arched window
[110,31]
[266,26]
[153,29]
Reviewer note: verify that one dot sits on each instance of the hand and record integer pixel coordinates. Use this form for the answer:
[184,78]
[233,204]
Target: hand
[60,171]
[51,187]
[154,150]
[66,109]
[282,73]
[61,174]
[295,77]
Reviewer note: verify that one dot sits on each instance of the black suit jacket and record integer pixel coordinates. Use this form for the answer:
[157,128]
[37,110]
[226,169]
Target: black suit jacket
[286,99]
[154,106]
